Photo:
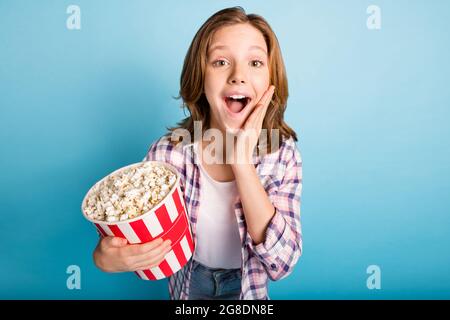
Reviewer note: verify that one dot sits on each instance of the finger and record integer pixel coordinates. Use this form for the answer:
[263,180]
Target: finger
[139,249]
[261,101]
[145,258]
[152,253]
[264,108]
[166,246]
[252,119]
[256,117]
[269,96]
[153,261]
[265,99]
[261,106]
[146,247]
[115,242]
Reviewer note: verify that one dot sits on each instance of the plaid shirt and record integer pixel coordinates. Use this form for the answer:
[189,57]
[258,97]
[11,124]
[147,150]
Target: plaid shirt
[280,174]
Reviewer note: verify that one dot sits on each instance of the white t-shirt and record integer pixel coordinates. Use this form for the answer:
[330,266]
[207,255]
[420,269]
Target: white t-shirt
[218,241]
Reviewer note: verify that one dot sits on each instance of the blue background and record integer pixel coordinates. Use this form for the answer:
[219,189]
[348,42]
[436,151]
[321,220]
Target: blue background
[371,108]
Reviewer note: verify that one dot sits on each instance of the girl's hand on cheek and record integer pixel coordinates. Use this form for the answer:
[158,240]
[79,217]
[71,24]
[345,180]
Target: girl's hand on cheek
[247,138]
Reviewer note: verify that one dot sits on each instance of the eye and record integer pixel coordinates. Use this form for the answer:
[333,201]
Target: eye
[220,63]
[257,63]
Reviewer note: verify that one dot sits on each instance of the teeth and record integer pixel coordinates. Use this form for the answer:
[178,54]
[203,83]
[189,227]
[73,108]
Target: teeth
[237,97]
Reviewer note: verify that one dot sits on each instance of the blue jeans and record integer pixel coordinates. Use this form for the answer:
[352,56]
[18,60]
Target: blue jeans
[214,283]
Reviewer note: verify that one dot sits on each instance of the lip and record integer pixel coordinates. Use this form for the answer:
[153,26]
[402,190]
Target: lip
[236,114]
[237,93]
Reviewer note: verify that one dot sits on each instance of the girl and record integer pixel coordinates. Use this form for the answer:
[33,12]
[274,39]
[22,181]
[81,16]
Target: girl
[244,215]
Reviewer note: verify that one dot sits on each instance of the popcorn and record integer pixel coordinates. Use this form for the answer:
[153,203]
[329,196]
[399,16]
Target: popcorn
[142,202]
[129,193]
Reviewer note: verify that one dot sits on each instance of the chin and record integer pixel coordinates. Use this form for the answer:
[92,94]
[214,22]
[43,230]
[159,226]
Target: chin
[233,128]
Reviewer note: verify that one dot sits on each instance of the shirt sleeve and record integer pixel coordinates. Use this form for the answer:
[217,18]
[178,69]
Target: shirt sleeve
[164,151]
[282,246]
[158,151]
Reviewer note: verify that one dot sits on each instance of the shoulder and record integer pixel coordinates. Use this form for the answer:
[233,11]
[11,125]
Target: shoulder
[165,150]
[283,162]
[289,151]
[290,166]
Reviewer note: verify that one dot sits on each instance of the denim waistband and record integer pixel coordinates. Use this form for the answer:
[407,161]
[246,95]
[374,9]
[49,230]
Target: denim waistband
[214,283]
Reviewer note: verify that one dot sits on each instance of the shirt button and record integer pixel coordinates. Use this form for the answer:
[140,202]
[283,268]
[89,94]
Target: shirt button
[273,266]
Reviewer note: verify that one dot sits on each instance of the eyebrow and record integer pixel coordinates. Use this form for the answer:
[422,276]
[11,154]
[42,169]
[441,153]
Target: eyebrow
[221,47]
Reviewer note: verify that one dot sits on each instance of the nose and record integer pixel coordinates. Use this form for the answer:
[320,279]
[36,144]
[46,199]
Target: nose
[237,76]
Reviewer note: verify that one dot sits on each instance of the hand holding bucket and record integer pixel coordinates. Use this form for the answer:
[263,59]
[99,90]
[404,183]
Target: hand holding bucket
[167,219]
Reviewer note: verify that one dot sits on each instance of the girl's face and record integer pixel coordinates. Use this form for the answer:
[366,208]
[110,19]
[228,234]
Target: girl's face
[236,75]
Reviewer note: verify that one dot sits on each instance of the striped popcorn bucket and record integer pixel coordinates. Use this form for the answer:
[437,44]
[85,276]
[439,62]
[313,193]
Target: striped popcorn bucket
[167,220]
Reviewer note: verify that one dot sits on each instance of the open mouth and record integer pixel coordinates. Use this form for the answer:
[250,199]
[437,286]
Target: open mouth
[237,103]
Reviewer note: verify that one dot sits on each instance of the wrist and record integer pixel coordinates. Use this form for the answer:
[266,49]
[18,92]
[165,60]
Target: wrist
[239,168]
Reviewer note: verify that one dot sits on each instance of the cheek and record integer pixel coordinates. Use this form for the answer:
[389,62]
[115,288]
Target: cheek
[261,83]
[211,87]
[207,85]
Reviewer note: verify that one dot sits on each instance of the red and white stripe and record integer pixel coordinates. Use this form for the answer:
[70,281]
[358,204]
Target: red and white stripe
[174,260]
[150,226]
[168,221]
